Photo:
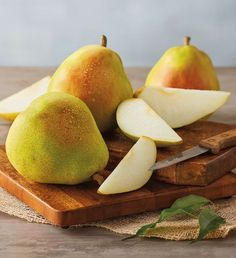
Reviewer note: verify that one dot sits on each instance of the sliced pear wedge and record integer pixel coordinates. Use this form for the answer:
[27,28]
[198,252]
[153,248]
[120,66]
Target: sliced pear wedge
[11,106]
[136,118]
[133,171]
[180,107]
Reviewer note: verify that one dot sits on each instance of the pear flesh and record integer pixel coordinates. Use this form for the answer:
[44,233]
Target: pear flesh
[56,140]
[11,106]
[180,107]
[96,75]
[136,118]
[133,171]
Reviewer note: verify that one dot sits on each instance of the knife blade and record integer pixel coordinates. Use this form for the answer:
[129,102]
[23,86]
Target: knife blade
[184,155]
[214,144]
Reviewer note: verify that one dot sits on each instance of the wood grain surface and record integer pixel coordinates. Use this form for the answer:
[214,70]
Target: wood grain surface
[22,239]
[220,141]
[68,205]
[200,170]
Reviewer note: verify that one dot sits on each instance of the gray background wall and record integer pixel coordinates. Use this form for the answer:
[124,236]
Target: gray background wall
[44,32]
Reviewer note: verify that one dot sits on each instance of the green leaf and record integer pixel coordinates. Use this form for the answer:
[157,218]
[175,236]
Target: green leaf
[208,222]
[172,212]
[189,205]
[190,200]
[142,230]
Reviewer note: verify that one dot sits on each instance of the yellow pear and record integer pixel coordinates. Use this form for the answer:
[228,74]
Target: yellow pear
[96,75]
[56,140]
[184,67]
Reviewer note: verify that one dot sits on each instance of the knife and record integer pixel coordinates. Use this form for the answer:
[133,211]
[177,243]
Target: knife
[213,144]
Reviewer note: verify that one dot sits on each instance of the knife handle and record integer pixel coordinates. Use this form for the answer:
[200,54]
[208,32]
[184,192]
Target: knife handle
[220,141]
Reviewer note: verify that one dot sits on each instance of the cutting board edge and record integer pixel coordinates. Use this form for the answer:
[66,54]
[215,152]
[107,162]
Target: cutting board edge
[80,215]
[200,190]
[5,184]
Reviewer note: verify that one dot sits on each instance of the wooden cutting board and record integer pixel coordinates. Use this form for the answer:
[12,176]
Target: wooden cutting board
[69,205]
[200,170]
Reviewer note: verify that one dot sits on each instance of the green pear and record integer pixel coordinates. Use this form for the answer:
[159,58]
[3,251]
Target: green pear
[56,140]
[184,67]
[96,75]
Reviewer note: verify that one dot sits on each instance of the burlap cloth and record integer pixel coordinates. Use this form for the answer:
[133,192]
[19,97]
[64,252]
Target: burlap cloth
[175,229]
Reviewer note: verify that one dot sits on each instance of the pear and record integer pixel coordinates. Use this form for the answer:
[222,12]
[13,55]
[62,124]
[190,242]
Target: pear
[136,118]
[180,107]
[184,67]
[133,171]
[96,75]
[11,106]
[56,140]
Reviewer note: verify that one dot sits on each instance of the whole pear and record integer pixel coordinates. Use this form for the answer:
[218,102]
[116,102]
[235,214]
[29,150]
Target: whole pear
[56,140]
[184,67]
[96,75]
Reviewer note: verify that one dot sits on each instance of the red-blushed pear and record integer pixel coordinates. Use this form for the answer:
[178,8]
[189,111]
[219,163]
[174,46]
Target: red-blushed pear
[136,118]
[56,140]
[133,171]
[184,67]
[11,106]
[96,75]
[180,107]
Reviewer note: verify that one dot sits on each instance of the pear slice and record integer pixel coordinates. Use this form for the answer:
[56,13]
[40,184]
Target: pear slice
[136,118]
[133,171]
[180,107]
[11,106]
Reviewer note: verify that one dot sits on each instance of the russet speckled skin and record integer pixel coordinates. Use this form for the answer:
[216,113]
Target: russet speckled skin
[56,140]
[96,75]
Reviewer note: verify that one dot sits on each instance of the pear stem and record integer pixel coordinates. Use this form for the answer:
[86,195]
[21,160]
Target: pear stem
[98,178]
[103,41]
[187,40]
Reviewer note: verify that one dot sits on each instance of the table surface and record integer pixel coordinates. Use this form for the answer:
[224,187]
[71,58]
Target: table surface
[23,239]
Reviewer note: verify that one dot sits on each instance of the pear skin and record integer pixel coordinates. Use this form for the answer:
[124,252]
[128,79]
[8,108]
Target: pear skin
[184,67]
[96,75]
[56,140]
